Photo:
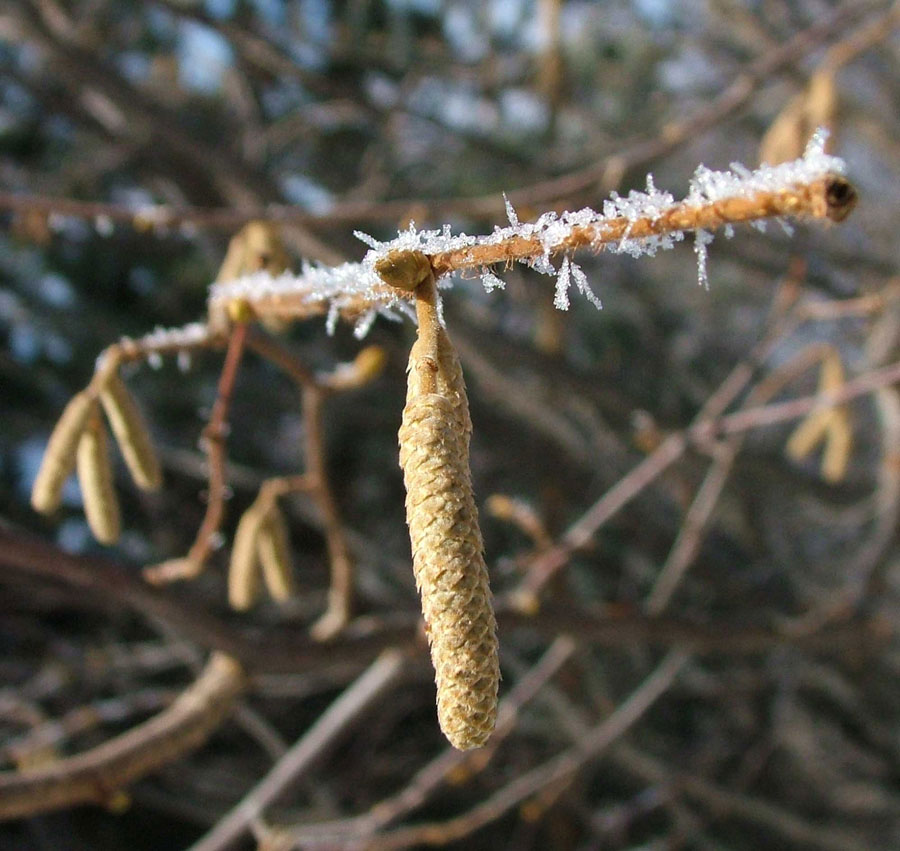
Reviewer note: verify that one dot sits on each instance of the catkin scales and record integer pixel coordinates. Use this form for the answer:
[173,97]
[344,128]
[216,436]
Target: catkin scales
[448,561]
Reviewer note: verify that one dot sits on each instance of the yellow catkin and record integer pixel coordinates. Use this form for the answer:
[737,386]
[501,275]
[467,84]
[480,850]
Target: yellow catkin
[95,475]
[131,433]
[243,569]
[59,457]
[447,548]
[273,547]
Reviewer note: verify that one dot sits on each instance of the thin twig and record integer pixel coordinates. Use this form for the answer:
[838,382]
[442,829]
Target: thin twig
[213,441]
[96,775]
[550,773]
[322,736]
[285,650]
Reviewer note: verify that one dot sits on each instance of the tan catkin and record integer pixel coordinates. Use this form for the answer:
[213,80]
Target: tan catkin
[131,433]
[447,548]
[59,457]
[243,569]
[95,475]
[273,547]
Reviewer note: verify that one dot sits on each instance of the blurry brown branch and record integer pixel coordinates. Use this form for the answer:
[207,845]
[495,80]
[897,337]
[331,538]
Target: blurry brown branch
[334,722]
[289,649]
[96,775]
[701,434]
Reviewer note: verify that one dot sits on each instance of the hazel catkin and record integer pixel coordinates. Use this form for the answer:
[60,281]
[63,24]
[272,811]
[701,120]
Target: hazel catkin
[243,568]
[131,433]
[59,457]
[273,548]
[447,547]
[95,475]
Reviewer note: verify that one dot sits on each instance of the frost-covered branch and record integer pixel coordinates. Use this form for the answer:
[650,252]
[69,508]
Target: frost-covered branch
[811,187]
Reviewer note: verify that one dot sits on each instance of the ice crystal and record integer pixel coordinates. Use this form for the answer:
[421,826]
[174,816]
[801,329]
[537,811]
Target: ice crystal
[561,299]
[491,282]
[702,239]
[581,282]
[511,212]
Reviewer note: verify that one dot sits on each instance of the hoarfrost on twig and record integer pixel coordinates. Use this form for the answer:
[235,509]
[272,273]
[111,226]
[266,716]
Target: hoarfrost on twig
[348,285]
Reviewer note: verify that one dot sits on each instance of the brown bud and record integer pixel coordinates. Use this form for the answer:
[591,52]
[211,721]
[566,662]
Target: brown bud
[95,475]
[404,269]
[131,433]
[59,457]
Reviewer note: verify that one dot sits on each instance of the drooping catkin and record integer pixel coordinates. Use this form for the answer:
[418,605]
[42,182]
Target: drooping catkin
[59,457]
[95,475]
[446,540]
[273,547]
[131,433]
[243,569]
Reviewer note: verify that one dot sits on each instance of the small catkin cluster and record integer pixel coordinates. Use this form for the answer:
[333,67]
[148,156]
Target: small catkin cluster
[80,439]
[261,550]
[447,548]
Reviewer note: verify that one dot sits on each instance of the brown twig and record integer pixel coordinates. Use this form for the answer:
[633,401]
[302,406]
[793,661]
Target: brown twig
[358,699]
[98,774]
[340,591]
[670,450]
[430,778]
[556,770]
[313,395]
[285,650]
[214,444]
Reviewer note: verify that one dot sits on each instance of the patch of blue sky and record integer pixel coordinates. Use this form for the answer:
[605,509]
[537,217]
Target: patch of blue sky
[465,32]
[134,65]
[74,536]
[315,20]
[306,193]
[27,458]
[220,9]
[657,13]
[203,58]
[55,291]
[505,17]
[523,111]
[273,12]
[23,343]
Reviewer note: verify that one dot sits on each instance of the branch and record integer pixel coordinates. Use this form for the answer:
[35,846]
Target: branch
[96,775]
[334,722]
[641,223]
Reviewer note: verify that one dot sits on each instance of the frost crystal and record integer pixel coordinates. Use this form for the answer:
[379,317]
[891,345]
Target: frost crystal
[510,212]
[491,282]
[702,238]
[347,286]
[561,299]
[584,287]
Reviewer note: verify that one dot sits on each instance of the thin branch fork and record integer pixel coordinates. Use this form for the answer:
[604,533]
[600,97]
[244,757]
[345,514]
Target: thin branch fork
[213,440]
[701,433]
